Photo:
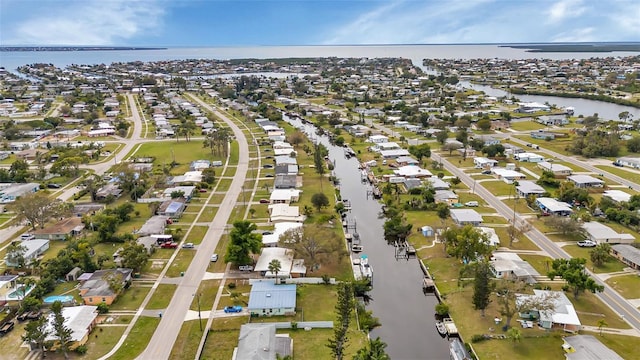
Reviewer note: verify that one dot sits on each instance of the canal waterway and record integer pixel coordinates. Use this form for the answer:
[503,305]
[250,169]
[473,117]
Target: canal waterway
[405,312]
[585,107]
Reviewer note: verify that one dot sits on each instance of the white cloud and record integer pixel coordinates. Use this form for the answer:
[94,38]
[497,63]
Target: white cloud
[565,9]
[576,35]
[628,18]
[101,22]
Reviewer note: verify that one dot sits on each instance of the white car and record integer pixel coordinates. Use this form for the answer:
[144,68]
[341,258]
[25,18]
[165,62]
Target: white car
[188,246]
[587,243]
[472,203]
[214,257]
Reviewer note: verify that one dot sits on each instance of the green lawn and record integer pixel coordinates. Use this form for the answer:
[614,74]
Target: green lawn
[181,262]
[625,346]
[498,187]
[542,264]
[578,252]
[161,297]
[131,298]
[197,234]
[223,338]
[207,290]
[317,302]
[184,152]
[558,145]
[208,214]
[526,125]
[629,175]
[138,339]
[627,285]
[102,340]
[186,345]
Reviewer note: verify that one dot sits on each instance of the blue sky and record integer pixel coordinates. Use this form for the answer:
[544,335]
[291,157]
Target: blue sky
[320,22]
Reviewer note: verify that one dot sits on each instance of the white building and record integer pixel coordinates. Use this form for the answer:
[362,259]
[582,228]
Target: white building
[484,163]
[529,157]
[617,195]
[601,233]
[285,213]
[556,169]
[553,206]
[284,196]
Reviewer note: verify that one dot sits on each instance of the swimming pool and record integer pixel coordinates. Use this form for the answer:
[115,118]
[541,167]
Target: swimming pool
[20,292]
[62,298]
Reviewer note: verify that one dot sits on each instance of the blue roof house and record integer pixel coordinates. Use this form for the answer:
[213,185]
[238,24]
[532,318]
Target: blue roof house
[268,299]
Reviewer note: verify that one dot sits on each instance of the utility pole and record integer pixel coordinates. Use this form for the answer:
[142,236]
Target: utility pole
[197,295]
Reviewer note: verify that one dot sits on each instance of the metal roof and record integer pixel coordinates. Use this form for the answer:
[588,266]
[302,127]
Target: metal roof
[268,295]
[629,252]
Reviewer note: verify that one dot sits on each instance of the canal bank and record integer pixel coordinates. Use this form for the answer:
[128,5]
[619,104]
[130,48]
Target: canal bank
[405,312]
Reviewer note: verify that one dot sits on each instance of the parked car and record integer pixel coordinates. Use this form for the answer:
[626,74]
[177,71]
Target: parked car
[268,166]
[245,268]
[25,237]
[214,257]
[203,190]
[486,172]
[169,245]
[233,309]
[269,175]
[188,246]
[615,163]
[587,243]
[53,186]
[264,201]
[472,203]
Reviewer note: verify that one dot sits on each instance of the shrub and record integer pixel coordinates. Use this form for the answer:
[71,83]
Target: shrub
[82,349]
[478,338]
[103,308]
[231,285]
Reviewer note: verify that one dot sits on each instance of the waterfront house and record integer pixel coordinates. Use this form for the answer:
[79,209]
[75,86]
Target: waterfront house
[271,240]
[284,196]
[285,213]
[268,299]
[508,265]
[412,171]
[260,341]
[562,316]
[285,181]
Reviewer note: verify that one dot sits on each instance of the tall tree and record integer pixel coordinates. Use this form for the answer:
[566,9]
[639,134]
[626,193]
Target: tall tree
[15,255]
[274,267]
[243,242]
[482,286]
[515,335]
[36,333]
[37,208]
[375,350]
[60,330]
[344,308]
[600,254]
[466,243]
[573,272]
[420,151]
[319,152]
[316,244]
[319,201]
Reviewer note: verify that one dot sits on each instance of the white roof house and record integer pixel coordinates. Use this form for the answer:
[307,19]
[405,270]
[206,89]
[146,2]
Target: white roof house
[584,181]
[412,171]
[33,249]
[285,213]
[493,238]
[284,196]
[378,139]
[557,169]
[279,229]
[507,175]
[509,265]
[526,188]
[563,315]
[617,195]
[601,233]
[466,216]
[529,157]
[483,162]
[553,206]
[188,177]
[268,254]
[387,146]
[79,319]
[395,153]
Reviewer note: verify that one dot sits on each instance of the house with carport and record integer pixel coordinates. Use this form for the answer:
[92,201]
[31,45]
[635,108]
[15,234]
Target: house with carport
[602,234]
[552,206]
[563,315]
[558,170]
[528,157]
[526,188]
[508,265]
[585,181]
[284,196]
[465,217]
[628,254]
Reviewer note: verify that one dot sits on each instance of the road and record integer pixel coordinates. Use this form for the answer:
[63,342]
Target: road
[610,297]
[167,331]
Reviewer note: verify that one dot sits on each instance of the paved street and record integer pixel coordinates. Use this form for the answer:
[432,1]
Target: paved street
[166,334]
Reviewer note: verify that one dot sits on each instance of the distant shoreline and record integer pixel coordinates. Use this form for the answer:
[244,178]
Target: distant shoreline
[75,48]
[567,48]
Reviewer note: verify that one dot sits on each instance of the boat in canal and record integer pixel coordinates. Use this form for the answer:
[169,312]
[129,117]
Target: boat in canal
[442,330]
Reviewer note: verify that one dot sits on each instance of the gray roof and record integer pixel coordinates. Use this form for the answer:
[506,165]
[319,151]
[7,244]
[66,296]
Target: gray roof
[529,187]
[98,285]
[154,226]
[465,215]
[587,347]
[257,342]
[629,252]
[283,181]
[584,179]
[268,295]
[438,183]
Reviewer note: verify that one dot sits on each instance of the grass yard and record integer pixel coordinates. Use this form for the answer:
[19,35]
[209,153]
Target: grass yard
[101,341]
[526,125]
[627,285]
[312,344]
[197,234]
[590,309]
[184,152]
[542,264]
[629,175]
[186,344]
[162,297]
[318,300]
[131,298]
[207,290]
[499,187]
[579,252]
[558,145]
[528,348]
[138,339]
[181,262]
[223,338]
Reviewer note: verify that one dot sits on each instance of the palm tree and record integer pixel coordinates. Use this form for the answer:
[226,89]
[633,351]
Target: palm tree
[602,323]
[375,351]
[275,266]
[514,335]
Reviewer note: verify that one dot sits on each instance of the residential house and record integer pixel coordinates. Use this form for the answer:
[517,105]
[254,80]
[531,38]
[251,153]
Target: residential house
[9,192]
[32,249]
[61,230]
[271,240]
[268,299]
[149,243]
[110,190]
[557,169]
[377,139]
[199,165]
[553,120]
[97,288]
[484,163]
[406,161]
[562,316]
[488,140]
[394,154]
[155,225]
[507,175]
[172,208]
[553,207]
[9,287]
[260,342]
[632,162]
[79,319]
[585,181]
[187,192]
[189,177]
[587,347]
[29,154]
[412,171]
[446,196]
[466,216]
[282,181]
[628,254]
[526,188]
[288,169]
[411,183]
[285,160]
[490,233]
[528,157]
[289,267]
[542,135]
[284,196]
[437,183]
[508,265]
[601,233]
[618,196]
[285,213]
